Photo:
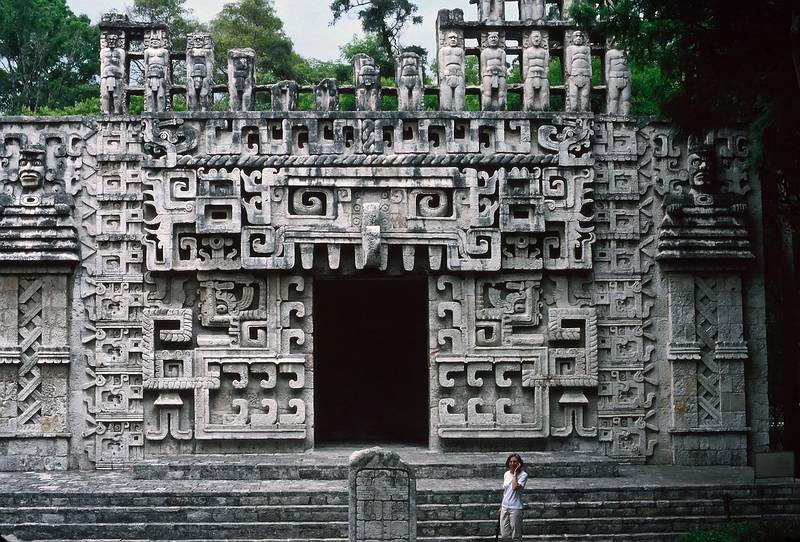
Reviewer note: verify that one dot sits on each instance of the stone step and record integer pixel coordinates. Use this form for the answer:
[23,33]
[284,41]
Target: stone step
[179,531]
[438,512]
[438,531]
[577,526]
[332,464]
[174,514]
[736,495]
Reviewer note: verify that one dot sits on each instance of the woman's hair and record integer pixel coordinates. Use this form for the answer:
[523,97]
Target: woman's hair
[518,457]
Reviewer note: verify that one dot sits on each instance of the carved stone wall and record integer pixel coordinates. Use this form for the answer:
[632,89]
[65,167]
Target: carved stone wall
[574,302]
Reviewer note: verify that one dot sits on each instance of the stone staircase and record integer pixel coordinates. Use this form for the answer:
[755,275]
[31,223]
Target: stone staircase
[641,504]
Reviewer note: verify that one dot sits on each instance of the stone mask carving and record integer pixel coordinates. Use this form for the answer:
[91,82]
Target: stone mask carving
[32,164]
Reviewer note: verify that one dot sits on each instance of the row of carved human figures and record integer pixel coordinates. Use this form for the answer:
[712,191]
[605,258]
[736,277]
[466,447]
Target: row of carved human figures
[535,71]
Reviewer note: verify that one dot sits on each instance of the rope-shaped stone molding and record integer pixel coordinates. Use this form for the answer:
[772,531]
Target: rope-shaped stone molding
[366,160]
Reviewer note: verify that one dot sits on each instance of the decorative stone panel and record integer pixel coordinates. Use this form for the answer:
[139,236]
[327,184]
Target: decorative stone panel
[383,497]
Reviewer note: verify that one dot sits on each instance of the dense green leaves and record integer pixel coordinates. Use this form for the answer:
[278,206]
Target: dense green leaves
[254,24]
[48,56]
[384,19]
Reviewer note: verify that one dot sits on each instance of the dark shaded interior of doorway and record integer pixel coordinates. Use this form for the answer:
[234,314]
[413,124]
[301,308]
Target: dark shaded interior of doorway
[371,361]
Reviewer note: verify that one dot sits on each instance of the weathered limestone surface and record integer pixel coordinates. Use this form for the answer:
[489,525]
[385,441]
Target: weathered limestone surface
[594,284]
[382,496]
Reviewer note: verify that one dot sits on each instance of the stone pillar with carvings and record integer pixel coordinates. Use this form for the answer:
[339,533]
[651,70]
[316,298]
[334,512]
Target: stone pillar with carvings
[326,95]
[578,71]
[113,69]
[157,70]
[367,78]
[38,252]
[410,83]
[241,78]
[703,247]
[452,61]
[618,81]
[494,89]
[383,498]
[284,96]
[200,71]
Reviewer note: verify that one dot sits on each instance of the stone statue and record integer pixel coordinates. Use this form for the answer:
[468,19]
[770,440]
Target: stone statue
[452,80]
[492,11]
[327,95]
[156,70]
[578,67]
[618,82]
[410,85]
[703,223]
[494,88]
[531,10]
[536,71]
[32,167]
[200,71]
[241,78]
[284,96]
[112,71]
[368,83]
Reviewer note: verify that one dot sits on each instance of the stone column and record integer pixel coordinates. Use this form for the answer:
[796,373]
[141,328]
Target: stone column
[37,256]
[241,78]
[703,248]
[367,78]
[200,71]
[452,60]
[383,498]
[284,96]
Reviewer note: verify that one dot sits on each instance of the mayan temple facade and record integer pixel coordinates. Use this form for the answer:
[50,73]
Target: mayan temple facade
[187,283]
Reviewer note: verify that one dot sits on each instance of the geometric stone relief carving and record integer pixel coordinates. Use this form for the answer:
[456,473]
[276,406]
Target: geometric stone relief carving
[230,220]
[503,363]
[199,236]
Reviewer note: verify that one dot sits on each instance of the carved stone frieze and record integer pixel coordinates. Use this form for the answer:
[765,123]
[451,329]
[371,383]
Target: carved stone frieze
[585,271]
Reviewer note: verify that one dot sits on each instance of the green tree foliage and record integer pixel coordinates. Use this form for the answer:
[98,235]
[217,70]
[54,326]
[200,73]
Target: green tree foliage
[48,55]
[708,63]
[384,19]
[254,24]
[370,45]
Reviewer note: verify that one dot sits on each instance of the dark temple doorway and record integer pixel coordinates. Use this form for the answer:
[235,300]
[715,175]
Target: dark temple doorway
[371,361]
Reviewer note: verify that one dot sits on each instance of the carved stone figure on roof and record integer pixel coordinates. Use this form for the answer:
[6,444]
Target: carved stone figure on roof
[536,71]
[327,95]
[618,82]
[284,96]
[578,67]
[704,223]
[112,71]
[452,83]
[156,70]
[241,78]
[368,83]
[492,11]
[410,87]
[494,88]
[531,10]
[200,71]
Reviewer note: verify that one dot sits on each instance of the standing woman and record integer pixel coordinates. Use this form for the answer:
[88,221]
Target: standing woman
[514,481]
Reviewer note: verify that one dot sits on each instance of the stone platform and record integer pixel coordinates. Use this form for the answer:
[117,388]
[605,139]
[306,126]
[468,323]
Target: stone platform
[640,503]
[331,463]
